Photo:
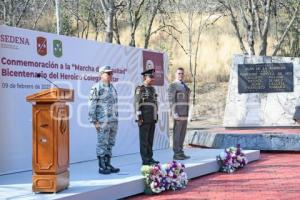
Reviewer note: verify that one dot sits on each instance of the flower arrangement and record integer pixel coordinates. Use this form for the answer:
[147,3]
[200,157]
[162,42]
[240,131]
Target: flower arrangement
[159,178]
[155,181]
[232,159]
[175,173]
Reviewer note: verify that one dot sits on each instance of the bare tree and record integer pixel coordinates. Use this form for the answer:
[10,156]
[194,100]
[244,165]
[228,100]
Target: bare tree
[78,10]
[120,10]
[108,7]
[76,13]
[291,45]
[235,24]
[135,13]
[288,27]
[95,18]
[116,29]
[23,12]
[39,14]
[255,17]
[153,7]
[262,26]
[13,12]
[90,11]
[194,15]
[251,16]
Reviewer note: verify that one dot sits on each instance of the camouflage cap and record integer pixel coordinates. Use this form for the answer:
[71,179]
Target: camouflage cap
[105,68]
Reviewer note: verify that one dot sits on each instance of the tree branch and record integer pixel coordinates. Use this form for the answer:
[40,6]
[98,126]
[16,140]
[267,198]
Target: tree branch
[235,25]
[150,23]
[39,15]
[243,15]
[257,18]
[165,26]
[23,12]
[180,16]
[267,18]
[279,43]
[104,5]
[177,40]
[264,36]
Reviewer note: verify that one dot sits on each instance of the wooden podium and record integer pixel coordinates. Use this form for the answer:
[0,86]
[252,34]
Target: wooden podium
[50,139]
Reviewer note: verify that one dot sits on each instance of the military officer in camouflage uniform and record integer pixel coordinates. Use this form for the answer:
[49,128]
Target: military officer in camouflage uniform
[103,113]
[146,116]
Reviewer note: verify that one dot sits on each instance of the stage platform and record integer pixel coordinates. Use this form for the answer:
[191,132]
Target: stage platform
[269,139]
[86,183]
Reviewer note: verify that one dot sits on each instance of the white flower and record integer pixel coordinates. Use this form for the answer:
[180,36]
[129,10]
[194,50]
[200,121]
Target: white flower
[239,158]
[236,165]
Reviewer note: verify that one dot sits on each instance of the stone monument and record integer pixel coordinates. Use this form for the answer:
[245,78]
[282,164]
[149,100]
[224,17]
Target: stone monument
[261,106]
[263,93]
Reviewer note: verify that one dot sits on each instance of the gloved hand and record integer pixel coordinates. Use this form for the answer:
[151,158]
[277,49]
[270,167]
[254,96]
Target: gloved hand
[175,116]
[140,122]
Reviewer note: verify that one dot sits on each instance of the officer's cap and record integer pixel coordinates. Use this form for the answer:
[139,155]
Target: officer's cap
[148,72]
[104,69]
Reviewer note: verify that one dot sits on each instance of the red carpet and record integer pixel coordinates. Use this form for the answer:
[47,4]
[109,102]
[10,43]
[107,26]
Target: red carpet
[274,176]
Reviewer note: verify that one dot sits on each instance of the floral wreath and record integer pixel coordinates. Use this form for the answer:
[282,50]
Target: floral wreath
[232,159]
[159,178]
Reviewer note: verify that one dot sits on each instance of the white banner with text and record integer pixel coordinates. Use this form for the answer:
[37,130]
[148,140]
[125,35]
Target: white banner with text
[70,63]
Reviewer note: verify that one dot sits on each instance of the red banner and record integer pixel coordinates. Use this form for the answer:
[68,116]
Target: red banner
[154,60]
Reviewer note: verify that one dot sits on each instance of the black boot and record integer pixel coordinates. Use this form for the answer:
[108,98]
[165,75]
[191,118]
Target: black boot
[102,167]
[109,166]
[152,161]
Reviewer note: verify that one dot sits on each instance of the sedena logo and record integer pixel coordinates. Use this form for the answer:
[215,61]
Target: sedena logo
[14,39]
[13,42]
[41,45]
[57,48]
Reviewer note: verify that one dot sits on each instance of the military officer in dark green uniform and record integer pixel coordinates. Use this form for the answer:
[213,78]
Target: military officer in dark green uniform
[145,103]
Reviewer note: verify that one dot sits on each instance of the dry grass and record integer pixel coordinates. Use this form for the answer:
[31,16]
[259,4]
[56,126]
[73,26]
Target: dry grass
[210,104]
[217,46]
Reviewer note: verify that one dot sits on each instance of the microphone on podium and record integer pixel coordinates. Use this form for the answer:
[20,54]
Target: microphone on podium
[39,75]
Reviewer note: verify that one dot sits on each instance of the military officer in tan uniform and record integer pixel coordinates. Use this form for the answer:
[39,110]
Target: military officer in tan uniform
[145,103]
[179,95]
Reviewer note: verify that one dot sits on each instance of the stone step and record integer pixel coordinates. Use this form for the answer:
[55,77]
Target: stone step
[258,140]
